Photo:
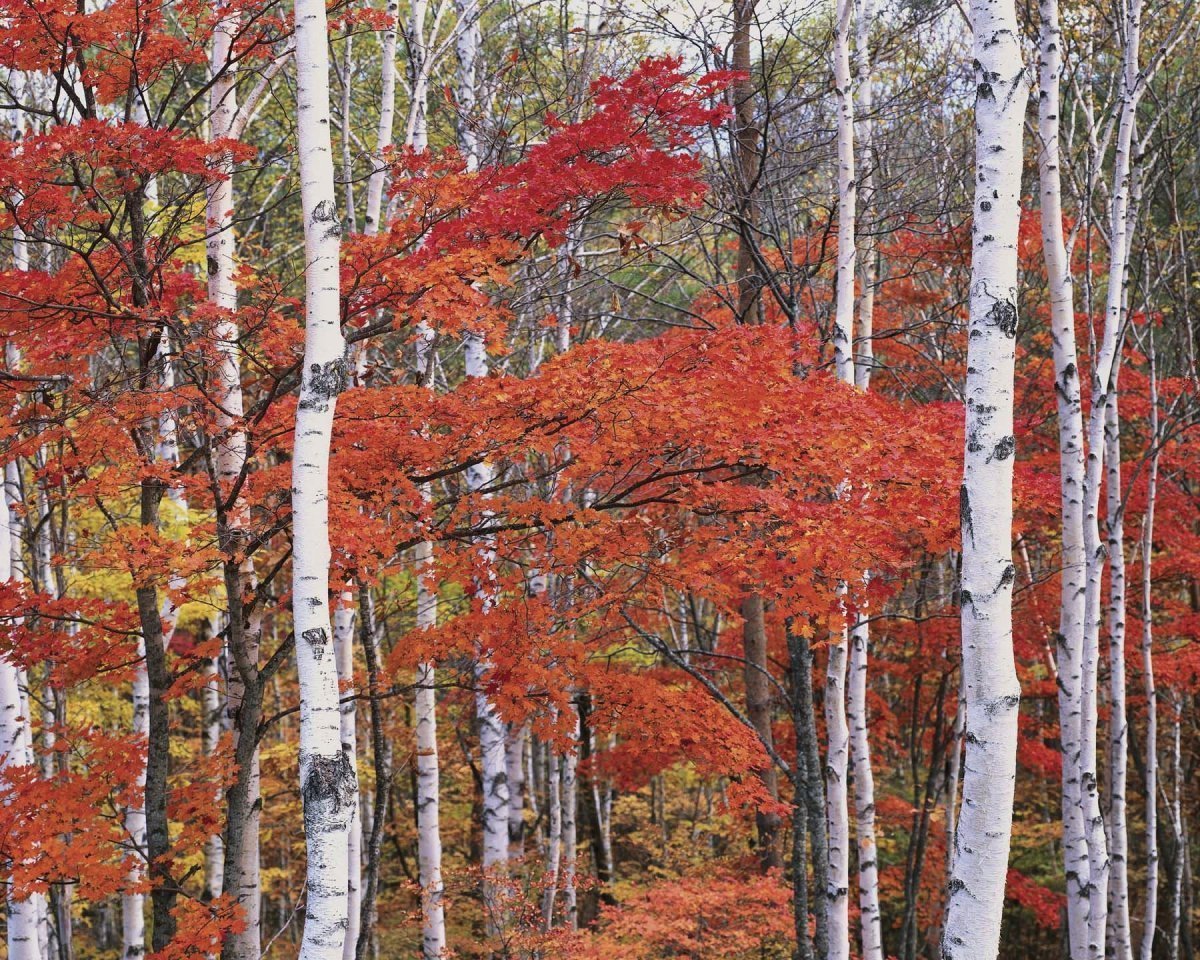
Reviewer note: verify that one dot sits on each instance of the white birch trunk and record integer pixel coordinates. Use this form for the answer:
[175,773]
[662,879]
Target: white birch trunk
[387,119]
[467,40]
[429,838]
[343,643]
[16,730]
[1102,377]
[570,835]
[328,784]
[226,120]
[417,129]
[210,706]
[1118,746]
[1150,910]
[16,744]
[554,839]
[1071,469]
[992,694]
[133,919]
[843,321]
[864,793]
[514,760]
[864,348]
[837,812]
[494,769]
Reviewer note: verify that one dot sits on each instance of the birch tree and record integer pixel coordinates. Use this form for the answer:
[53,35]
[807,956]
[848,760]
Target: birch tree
[328,785]
[1071,468]
[16,749]
[991,691]
[1149,687]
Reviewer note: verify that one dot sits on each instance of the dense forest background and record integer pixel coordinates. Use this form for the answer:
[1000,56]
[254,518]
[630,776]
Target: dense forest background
[485,479]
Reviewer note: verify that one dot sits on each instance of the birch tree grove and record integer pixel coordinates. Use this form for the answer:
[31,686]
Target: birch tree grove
[586,480]
[991,690]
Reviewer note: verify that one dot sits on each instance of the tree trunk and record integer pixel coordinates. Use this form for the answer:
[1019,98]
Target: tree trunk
[16,749]
[807,774]
[864,794]
[1071,469]
[429,839]
[992,693]
[328,784]
[343,645]
[1118,747]
[387,115]
[758,711]
[1102,383]
[1150,910]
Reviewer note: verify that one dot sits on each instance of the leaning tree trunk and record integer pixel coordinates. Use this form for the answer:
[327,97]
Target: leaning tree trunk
[991,690]
[1071,472]
[328,785]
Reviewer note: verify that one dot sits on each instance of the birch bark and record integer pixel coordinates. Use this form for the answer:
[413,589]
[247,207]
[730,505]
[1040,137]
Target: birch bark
[992,693]
[1150,910]
[1118,747]
[387,114]
[343,646]
[328,784]
[1102,376]
[1071,469]
[16,742]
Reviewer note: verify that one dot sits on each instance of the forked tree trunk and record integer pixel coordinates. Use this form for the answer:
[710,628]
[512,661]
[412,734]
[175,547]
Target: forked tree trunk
[991,692]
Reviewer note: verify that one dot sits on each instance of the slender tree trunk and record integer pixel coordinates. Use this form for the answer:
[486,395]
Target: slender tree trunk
[387,112]
[1102,384]
[837,813]
[554,839]
[16,749]
[1150,911]
[1118,747]
[381,757]
[992,693]
[864,347]
[864,793]
[758,711]
[328,785]
[429,840]
[847,259]
[570,834]
[807,780]
[210,732]
[1071,469]
[515,738]
[343,645]
[243,700]
[133,919]
[746,138]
